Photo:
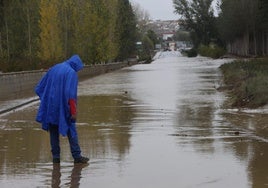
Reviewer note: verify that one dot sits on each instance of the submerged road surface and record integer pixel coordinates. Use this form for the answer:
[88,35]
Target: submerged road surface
[157,125]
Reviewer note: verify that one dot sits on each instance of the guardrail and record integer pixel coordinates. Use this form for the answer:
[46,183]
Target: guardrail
[21,84]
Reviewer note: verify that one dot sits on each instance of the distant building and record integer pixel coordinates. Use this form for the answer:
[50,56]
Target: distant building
[172,46]
[158,46]
[167,35]
[184,44]
[164,29]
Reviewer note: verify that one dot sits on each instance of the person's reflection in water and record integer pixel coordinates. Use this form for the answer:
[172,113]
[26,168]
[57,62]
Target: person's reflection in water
[75,176]
[56,174]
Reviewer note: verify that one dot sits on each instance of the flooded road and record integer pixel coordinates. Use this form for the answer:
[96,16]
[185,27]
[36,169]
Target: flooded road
[149,126]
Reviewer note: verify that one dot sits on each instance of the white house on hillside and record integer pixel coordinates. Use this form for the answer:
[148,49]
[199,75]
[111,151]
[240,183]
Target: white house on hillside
[165,36]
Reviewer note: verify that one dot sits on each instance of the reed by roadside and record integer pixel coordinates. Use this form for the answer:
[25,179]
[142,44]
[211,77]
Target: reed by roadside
[247,82]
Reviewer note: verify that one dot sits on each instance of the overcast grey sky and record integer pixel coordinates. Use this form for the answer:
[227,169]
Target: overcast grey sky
[161,9]
[158,9]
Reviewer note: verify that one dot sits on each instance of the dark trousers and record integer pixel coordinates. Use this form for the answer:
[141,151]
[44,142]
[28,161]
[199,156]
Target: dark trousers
[55,143]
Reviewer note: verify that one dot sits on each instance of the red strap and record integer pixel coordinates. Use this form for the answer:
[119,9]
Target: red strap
[72,104]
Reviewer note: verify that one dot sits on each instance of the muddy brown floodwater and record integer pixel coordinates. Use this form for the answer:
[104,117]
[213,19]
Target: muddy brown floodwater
[157,125]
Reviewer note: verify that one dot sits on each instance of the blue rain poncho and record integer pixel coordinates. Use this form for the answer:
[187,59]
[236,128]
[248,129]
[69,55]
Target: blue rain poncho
[55,89]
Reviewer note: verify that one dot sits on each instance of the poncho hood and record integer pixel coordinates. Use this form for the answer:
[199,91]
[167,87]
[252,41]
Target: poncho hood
[75,62]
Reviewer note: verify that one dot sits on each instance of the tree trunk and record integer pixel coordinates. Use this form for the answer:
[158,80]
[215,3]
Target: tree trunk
[7,41]
[266,42]
[245,44]
[255,42]
[263,42]
[66,31]
[1,46]
[29,34]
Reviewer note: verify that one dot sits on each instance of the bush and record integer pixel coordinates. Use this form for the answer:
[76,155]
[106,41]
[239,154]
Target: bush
[17,65]
[190,53]
[212,51]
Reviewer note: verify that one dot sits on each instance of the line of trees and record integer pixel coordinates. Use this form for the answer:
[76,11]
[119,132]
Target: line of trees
[39,33]
[241,25]
[147,37]
[199,19]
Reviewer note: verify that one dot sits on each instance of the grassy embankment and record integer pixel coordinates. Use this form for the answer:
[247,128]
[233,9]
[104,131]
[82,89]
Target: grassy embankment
[247,82]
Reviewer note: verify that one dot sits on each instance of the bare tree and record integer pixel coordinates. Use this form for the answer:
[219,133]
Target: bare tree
[142,16]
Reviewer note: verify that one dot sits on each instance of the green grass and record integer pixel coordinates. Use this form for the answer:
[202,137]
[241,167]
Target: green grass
[248,82]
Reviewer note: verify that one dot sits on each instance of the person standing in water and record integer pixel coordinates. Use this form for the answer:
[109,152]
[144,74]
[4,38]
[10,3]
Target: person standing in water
[57,91]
